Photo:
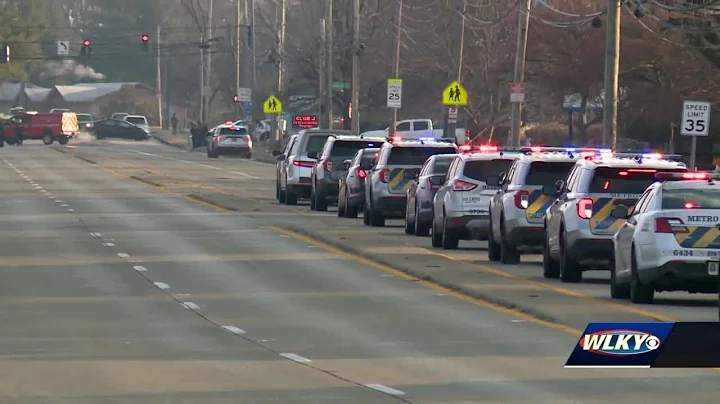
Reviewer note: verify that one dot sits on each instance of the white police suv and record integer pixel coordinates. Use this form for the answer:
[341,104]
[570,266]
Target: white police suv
[670,240]
[517,210]
[578,225]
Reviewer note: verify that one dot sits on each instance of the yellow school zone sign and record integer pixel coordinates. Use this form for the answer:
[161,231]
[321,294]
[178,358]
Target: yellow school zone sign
[455,95]
[272,105]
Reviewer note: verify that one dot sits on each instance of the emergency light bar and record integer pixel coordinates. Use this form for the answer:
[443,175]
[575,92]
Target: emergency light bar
[582,151]
[649,156]
[687,176]
[468,148]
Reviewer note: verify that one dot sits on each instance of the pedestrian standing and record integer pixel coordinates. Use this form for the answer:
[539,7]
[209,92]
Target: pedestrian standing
[174,123]
[19,133]
[2,133]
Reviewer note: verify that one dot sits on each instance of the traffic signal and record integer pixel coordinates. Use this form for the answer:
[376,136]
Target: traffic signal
[86,50]
[236,99]
[5,54]
[145,43]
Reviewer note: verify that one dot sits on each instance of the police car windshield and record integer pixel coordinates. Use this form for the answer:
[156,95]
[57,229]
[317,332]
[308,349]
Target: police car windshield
[482,170]
[416,156]
[691,199]
[369,155]
[609,180]
[316,143]
[233,132]
[545,173]
[348,148]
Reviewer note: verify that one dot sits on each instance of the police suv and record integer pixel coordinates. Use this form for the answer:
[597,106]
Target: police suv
[578,225]
[517,210]
[670,240]
[393,173]
[461,205]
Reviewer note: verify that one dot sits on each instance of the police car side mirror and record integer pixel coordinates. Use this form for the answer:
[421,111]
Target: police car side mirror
[281,157]
[551,190]
[276,152]
[347,163]
[620,212]
[493,180]
[312,155]
[437,179]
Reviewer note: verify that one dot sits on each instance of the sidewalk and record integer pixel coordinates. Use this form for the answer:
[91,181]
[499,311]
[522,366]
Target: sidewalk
[180,140]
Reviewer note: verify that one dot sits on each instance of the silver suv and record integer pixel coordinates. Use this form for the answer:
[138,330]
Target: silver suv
[461,207]
[517,211]
[296,166]
[392,174]
[579,229]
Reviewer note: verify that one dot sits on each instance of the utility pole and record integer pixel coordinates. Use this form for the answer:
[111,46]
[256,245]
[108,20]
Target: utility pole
[397,23]
[355,118]
[208,81]
[159,83]
[451,125]
[612,73]
[249,80]
[202,79]
[519,73]
[329,63]
[276,130]
[238,51]
[321,74]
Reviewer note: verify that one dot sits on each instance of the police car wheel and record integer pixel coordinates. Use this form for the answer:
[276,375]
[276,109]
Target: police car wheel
[277,190]
[570,271]
[551,268]
[290,197]
[342,205]
[376,218]
[321,204]
[639,292]
[493,247]
[450,240]
[409,224]
[509,255]
[436,235]
[366,216]
[351,212]
[312,198]
[422,229]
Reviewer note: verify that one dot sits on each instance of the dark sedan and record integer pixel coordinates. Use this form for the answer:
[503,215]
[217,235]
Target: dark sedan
[351,196]
[419,209]
[118,129]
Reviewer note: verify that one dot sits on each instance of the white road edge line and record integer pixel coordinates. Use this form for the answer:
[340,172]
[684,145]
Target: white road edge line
[123,255]
[139,268]
[71,210]
[295,358]
[162,286]
[191,306]
[109,244]
[233,329]
[385,389]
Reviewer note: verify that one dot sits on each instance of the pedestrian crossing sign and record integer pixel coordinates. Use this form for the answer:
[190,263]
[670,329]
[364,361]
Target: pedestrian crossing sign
[272,105]
[455,95]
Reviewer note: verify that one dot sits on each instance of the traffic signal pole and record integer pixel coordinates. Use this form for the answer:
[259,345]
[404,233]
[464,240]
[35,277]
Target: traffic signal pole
[159,83]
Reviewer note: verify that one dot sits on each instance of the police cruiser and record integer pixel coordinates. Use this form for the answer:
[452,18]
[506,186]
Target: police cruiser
[517,210]
[461,205]
[670,240]
[393,172]
[578,225]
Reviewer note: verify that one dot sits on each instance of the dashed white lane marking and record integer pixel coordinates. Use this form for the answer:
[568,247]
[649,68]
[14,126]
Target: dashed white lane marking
[162,286]
[385,389]
[199,164]
[71,210]
[139,268]
[109,244]
[386,276]
[191,306]
[64,205]
[518,321]
[123,255]
[295,358]
[95,234]
[233,329]
[58,200]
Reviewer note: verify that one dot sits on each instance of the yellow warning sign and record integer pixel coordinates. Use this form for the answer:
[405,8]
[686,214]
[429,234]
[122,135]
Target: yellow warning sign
[272,105]
[455,95]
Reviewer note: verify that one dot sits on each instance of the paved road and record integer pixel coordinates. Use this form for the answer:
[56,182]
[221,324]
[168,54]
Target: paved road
[124,282]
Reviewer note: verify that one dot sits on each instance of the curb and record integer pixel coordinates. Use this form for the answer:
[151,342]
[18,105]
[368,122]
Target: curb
[163,141]
[530,311]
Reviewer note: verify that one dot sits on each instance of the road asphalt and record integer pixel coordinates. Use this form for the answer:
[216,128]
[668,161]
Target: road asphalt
[136,272]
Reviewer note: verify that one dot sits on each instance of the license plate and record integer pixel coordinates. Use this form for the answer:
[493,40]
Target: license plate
[234,140]
[713,268]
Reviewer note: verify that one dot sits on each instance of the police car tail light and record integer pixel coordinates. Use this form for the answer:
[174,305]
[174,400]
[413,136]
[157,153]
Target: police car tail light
[303,163]
[362,174]
[228,122]
[584,208]
[465,148]
[395,139]
[671,225]
[384,175]
[327,165]
[462,186]
[218,138]
[521,199]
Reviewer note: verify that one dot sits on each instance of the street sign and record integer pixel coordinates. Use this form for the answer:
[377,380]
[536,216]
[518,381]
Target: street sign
[394,93]
[63,48]
[341,86]
[695,118]
[244,94]
[452,114]
[455,95]
[517,92]
[272,105]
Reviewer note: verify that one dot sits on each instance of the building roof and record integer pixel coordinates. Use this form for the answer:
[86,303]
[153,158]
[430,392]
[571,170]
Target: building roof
[36,93]
[9,91]
[87,92]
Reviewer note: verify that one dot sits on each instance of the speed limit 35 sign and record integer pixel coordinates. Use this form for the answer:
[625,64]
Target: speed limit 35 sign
[696,118]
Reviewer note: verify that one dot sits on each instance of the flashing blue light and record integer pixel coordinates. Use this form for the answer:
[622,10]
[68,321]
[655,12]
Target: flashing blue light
[570,149]
[370,145]
[605,151]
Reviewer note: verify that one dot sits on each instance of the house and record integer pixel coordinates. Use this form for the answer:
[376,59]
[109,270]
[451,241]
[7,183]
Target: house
[104,99]
[11,95]
[36,97]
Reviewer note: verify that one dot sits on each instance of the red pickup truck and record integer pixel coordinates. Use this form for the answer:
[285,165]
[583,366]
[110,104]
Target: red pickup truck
[45,126]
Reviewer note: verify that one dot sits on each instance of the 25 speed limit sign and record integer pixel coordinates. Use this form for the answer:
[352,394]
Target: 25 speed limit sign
[696,118]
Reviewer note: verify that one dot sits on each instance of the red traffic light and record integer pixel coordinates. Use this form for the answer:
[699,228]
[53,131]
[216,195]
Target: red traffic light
[145,38]
[86,43]
[236,98]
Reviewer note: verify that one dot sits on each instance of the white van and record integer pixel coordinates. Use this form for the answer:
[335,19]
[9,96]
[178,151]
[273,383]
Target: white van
[138,120]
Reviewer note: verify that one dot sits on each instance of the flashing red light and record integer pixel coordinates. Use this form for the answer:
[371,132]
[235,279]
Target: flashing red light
[396,139]
[642,170]
[488,149]
[86,43]
[690,205]
[304,163]
[145,38]
[228,122]
[536,149]
[465,148]
[585,154]
[695,176]
[236,98]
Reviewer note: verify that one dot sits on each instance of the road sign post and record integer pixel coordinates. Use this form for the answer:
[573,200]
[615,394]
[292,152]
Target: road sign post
[517,93]
[244,94]
[394,93]
[695,122]
[273,106]
[63,48]
[453,96]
